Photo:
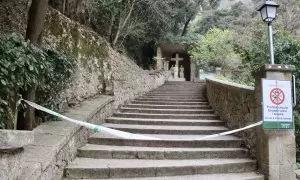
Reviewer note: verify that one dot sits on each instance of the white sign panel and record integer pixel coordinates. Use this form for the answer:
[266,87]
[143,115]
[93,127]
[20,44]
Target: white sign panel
[277,104]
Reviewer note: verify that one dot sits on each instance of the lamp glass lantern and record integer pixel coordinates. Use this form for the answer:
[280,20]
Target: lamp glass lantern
[268,11]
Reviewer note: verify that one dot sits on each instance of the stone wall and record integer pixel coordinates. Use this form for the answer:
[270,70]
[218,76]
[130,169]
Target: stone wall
[235,104]
[100,69]
[14,16]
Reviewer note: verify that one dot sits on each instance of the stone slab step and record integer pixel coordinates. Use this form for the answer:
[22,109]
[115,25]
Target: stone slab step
[195,94]
[171,100]
[117,120]
[174,97]
[177,91]
[131,152]
[154,106]
[166,116]
[166,111]
[229,176]
[167,103]
[180,88]
[120,168]
[228,142]
[157,129]
[190,137]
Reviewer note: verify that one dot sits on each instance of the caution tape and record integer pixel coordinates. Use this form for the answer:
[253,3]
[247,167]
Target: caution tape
[95,128]
[231,132]
[122,134]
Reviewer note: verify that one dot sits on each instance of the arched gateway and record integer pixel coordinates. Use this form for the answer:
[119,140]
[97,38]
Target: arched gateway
[176,60]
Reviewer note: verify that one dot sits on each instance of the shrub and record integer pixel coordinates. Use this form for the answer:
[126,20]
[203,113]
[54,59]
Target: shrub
[23,65]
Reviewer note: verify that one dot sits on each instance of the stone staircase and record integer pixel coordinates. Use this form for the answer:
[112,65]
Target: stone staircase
[177,113]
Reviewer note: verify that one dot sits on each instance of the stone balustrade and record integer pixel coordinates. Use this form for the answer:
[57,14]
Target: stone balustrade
[235,104]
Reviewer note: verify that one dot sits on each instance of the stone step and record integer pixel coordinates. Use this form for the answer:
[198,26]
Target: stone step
[166,116]
[184,122]
[201,82]
[229,176]
[167,103]
[166,111]
[157,129]
[131,152]
[164,93]
[221,142]
[127,168]
[154,106]
[173,97]
[177,93]
[171,100]
[177,90]
[186,86]
[189,137]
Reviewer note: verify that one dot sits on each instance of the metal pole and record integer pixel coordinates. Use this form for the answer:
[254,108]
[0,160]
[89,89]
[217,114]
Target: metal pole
[271,43]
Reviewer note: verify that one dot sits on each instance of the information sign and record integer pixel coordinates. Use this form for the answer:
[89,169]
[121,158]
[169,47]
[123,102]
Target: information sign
[277,104]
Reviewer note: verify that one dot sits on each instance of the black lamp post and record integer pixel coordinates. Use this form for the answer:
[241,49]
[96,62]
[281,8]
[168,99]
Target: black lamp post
[268,13]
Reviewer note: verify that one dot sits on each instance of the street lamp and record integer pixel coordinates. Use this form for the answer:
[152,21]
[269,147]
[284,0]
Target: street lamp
[268,13]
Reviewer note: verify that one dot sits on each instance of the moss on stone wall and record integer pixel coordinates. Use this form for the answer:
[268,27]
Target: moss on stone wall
[89,49]
[14,16]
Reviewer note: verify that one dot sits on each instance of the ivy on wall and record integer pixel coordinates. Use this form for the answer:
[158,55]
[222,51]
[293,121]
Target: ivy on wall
[23,65]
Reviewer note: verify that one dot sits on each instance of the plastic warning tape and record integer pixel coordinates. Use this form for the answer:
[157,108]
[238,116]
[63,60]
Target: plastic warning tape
[95,128]
[122,134]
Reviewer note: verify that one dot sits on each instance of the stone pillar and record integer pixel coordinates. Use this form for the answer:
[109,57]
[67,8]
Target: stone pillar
[193,70]
[218,71]
[159,59]
[276,148]
[199,73]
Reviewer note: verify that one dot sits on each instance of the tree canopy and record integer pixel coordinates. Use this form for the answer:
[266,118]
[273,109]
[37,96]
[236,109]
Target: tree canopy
[217,48]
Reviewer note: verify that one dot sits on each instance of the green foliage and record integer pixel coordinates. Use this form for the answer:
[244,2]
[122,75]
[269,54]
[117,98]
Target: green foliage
[287,51]
[23,65]
[238,17]
[217,48]
[148,24]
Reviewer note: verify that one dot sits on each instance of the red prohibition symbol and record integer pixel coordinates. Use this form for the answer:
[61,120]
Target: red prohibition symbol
[277,96]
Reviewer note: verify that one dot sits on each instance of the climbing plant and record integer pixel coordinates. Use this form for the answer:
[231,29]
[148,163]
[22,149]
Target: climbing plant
[24,65]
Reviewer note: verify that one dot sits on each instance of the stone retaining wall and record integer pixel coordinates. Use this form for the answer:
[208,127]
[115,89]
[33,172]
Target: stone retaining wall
[100,69]
[235,104]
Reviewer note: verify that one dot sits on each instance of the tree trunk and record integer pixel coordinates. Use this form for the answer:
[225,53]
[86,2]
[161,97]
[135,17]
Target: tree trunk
[36,18]
[186,25]
[110,30]
[122,25]
[64,7]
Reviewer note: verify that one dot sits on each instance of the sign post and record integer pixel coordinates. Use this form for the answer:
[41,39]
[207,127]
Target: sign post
[277,104]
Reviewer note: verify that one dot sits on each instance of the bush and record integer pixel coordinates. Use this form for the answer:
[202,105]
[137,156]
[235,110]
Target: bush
[217,48]
[287,51]
[23,65]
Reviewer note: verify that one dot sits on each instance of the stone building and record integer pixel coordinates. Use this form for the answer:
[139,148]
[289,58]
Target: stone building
[175,59]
